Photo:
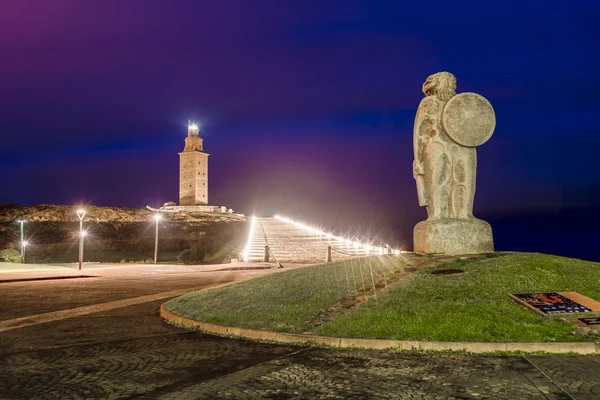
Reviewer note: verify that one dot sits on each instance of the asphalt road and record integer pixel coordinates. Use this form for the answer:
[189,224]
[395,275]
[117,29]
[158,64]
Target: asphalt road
[120,348]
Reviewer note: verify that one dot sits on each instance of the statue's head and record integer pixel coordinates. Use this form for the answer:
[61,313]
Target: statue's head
[441,85]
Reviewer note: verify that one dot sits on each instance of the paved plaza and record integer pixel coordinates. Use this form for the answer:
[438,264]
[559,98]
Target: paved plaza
[102,338]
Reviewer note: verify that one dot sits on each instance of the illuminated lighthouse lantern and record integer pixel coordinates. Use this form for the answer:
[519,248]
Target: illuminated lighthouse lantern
[193,170]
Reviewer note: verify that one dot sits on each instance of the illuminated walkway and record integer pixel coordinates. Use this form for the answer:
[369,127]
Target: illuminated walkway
[291,241]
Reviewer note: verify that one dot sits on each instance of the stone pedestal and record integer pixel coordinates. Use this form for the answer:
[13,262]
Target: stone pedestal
[453,236]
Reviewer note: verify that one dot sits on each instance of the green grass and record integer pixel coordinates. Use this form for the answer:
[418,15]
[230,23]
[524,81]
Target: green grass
[16,267]
[289,301]
[473,306]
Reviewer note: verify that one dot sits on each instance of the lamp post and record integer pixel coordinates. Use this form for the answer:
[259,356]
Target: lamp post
[81,214]
[23,243]
[156,219]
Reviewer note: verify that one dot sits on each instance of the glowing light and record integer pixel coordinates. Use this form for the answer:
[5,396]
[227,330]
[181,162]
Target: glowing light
[192,126]
[250,237]
[349,243]
[24,243]
[82,233]
[81,213]
[157,217]
[21,221]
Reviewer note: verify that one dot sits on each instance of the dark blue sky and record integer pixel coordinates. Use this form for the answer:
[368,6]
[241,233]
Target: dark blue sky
[307,106]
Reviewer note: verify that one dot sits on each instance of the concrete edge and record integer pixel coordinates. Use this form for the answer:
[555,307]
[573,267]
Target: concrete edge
[47,278]
[380,344]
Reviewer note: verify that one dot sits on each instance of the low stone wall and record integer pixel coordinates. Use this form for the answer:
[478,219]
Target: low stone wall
[205,209]
[471,347]
[193,209]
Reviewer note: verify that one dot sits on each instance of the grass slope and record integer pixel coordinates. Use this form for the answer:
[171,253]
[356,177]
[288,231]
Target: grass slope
[472,306]
[290,301]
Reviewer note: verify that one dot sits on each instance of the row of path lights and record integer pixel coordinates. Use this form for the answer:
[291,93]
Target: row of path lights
[82,233]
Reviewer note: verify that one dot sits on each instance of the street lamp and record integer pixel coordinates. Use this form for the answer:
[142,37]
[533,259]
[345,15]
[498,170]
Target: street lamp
[23,243]
[81,214]
[157,218]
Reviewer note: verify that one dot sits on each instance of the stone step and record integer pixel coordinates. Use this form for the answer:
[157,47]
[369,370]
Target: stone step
[291,243]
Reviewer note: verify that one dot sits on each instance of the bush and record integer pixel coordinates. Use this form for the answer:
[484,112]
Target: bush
[10,255]
[195,255]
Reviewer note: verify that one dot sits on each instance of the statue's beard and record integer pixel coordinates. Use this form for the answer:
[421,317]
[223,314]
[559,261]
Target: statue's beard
[443,95]
[444,92]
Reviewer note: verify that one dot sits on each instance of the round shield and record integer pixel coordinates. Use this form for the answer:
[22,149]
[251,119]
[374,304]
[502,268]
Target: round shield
[469,119]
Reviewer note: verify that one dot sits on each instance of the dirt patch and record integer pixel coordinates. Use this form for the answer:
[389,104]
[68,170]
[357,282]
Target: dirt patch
[449,271]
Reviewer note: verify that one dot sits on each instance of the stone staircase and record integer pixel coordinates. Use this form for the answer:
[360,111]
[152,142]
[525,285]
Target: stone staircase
[256,248]
[289,242]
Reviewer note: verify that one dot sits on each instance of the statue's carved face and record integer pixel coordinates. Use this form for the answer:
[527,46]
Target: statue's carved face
[442,85]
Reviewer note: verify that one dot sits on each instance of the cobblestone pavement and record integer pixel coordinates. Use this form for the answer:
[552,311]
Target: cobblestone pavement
[109,284]
[131,353]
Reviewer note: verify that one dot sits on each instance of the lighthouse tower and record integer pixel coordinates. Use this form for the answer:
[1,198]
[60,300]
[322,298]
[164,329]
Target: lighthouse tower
[193,170]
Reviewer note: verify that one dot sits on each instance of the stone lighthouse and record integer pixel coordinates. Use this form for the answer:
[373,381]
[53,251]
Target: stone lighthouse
[193,170]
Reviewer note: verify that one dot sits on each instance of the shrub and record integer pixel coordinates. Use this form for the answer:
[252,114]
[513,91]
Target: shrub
[10,255]
[195,255]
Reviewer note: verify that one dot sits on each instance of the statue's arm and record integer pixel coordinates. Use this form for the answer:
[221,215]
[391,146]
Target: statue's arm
[422,131]
[423,124]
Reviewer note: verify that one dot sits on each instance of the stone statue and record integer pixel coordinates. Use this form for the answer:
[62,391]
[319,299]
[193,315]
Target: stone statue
[447,129]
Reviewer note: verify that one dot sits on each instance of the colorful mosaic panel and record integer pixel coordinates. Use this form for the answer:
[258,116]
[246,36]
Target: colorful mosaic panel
[550,303]
[590,321]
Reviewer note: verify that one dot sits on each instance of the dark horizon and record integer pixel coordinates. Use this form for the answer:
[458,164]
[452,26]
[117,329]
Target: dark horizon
[306,108]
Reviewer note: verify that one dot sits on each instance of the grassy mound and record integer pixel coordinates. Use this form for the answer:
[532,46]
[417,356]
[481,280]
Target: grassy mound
[472,306]
[290,301]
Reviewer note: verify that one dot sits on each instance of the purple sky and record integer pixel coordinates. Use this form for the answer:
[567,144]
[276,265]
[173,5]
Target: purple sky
[307,106]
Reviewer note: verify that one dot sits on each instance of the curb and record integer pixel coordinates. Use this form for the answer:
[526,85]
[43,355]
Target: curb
[380,344]
[47,278]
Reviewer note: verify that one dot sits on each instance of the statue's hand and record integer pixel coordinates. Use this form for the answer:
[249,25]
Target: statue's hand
[418,168]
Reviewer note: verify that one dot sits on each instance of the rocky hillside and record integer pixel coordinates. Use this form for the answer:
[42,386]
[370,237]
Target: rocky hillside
[119,234]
